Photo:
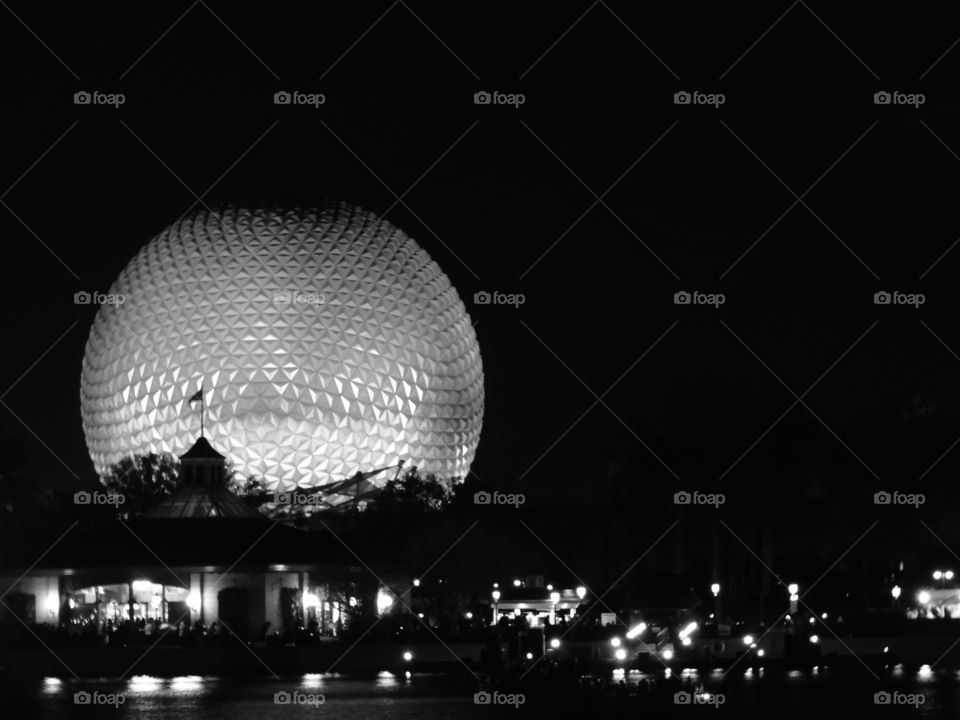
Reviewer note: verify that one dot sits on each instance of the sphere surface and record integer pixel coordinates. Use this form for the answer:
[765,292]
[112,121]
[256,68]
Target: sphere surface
[328,342]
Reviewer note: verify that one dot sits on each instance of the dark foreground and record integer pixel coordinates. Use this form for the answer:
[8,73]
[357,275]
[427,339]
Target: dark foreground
[846,692]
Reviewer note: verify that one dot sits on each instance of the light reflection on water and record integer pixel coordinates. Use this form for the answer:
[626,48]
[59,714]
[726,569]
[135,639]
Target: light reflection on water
[439,697]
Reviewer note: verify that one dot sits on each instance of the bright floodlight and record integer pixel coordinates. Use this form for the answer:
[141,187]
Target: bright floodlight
[667,654]
[620,654]
[615,641]
[581,592]
[948,574]
[748,639]
[517,582]
[408,656]
[937,574]
[555,643]
[793,588]
[923,597]
[636,630]
[715,589]
[327,341]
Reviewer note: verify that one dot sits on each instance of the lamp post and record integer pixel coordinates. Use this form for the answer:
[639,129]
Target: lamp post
[496,600]
[794,591]
[554,598]
[715,589]
[943,576]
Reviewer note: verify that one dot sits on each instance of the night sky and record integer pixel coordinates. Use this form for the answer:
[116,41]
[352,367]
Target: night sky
[505,199]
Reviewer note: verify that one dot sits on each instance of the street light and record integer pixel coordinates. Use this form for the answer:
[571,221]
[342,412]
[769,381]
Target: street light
[943,576]
[715,589]
[895,591]
[581,592]
[496,600]
[554,598]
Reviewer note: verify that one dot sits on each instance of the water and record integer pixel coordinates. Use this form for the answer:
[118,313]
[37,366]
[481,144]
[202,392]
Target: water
[846,693]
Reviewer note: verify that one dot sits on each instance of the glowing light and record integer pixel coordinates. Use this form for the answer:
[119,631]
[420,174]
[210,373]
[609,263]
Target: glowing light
[143,683]
[468,616]
[937,574]
[352,601]
[529,656]
[407,656]
[186,683]
[496,595]
[686,642]
[416,582]
[748,639]
[581,592]
[813,620]
[555,643]
[667,654]
[948,574]
[554,597]
[328,341]
[925,672]
[193,601]
[52,681]
[688,630]
[311,600]
[715,589]
[886,648]
[615,641]
[142,586]
[384,601]
[793,588]
[895,591]
[924,597]
[407,674]
[517,583]
[636,630]
[620,654]
[814,639]
[760,652]
[794,598]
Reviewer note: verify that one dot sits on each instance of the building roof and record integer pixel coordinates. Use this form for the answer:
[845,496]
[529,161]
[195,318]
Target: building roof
[201,501]
[202,450]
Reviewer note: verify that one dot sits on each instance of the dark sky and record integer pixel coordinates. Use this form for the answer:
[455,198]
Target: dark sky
[500,211]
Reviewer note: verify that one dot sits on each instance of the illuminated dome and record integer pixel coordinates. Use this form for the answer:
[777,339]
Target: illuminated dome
[328,343]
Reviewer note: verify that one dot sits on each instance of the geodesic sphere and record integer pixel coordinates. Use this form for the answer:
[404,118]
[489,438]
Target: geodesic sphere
[328,342]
